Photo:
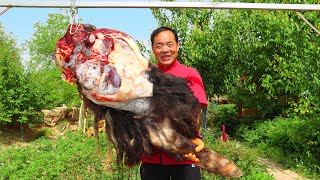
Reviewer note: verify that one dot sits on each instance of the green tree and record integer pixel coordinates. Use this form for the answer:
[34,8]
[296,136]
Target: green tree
[262,59]
[26,90]
[14,101]
[43,42]
[43,74]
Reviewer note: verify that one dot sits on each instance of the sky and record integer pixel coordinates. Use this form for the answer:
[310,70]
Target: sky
[138,22]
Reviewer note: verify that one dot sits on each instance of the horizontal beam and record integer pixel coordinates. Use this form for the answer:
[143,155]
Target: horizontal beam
[139,4]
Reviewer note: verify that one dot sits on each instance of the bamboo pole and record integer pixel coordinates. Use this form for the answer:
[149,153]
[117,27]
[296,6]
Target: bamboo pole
[5,10]
[309,24]
[80,116]
[140,4]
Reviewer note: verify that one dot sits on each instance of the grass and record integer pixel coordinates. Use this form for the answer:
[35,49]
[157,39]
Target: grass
[74,156]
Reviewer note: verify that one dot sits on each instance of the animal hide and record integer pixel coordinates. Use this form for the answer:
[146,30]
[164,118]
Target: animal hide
[144,108]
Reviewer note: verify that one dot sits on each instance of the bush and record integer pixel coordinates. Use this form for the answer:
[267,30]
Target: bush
[294,141]
[50,90]
[223,114]
[244,157]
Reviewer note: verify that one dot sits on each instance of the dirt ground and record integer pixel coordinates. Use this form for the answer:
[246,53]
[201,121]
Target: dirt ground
[278,172]
[15,134]
[11,134]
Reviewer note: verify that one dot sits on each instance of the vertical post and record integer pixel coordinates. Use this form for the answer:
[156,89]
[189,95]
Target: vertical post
[204,121]
[80,116]
[22,132]
[224,134]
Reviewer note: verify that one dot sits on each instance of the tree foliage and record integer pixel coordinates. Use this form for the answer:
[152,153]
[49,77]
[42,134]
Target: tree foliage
[26,89]
[44,75]
[43,42]
[15,102]
[268,60]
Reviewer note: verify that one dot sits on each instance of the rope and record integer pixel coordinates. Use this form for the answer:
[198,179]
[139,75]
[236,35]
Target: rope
[5,10]
[305,20]
[74,20]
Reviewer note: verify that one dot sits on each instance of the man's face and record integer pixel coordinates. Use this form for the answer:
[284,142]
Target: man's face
[165,48]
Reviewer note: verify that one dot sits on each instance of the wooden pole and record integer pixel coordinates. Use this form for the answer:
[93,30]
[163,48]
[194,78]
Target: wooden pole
[309,24]
[80,115]
[5,10]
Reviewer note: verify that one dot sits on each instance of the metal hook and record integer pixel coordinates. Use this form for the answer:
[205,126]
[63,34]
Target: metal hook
[74,17]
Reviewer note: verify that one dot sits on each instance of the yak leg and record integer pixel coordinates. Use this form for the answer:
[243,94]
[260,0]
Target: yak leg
[164,137]
[215,163]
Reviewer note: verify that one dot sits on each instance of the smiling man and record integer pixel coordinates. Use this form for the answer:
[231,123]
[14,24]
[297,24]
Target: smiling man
[165,46]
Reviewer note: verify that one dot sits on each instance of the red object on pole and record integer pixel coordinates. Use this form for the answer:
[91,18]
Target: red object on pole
[224,134]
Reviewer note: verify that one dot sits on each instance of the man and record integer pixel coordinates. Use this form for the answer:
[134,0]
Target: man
[160,166]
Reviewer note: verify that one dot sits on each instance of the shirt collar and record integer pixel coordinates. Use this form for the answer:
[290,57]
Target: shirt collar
[164,69]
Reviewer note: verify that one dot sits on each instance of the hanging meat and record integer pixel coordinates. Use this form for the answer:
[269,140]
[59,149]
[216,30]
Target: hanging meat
[144,108]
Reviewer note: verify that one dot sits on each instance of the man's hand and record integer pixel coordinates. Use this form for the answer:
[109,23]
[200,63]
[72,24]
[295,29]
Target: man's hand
[192,157]
[200,146]
[199,143]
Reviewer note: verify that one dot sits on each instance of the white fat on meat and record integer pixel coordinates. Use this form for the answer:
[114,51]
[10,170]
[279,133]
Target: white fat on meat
[88,74]
[138,106]
[135,82]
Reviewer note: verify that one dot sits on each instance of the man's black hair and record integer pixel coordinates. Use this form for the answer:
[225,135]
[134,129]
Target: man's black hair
[163,28]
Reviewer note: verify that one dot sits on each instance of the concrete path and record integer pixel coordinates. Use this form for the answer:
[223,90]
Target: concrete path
[278,172]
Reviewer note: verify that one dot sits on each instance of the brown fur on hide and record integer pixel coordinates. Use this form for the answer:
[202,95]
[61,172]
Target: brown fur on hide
[172,103]
[169,125]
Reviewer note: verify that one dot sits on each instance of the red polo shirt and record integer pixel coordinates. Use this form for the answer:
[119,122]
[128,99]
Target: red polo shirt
[197,88]
[194,78]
